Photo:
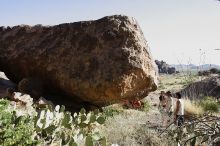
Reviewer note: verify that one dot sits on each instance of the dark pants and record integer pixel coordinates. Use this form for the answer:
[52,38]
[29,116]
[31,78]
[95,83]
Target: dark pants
[179,120]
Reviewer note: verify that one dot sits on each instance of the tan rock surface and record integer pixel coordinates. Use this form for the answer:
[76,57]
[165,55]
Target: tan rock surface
[98,61]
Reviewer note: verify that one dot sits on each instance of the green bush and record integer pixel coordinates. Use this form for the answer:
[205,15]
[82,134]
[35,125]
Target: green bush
[209,104]
[110,112]
[15,130]
[199,130]
[49,127]
[58,126]
[214,70]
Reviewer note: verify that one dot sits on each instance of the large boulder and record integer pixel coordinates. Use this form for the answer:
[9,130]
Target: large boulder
[31,86]
[98,61]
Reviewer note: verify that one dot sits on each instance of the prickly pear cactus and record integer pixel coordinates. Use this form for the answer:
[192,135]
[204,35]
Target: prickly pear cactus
[59,126]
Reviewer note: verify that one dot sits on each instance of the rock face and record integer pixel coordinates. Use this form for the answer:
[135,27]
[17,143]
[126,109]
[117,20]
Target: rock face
[31,86]
[98,61]
[206,87]
[4,84]
[163,67]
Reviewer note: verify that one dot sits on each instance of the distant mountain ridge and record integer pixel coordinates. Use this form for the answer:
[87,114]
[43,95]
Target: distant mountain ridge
[193,66]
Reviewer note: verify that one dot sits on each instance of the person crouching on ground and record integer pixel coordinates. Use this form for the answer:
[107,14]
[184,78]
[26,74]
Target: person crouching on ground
[162,108]
[179,110]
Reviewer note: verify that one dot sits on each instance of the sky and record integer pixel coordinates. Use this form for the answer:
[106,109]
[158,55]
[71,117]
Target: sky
[177,31]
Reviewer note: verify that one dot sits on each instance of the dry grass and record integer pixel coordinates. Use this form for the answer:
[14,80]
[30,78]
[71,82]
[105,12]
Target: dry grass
[138,128]
[130,129]
[200,107]
[192,108]
[175,82]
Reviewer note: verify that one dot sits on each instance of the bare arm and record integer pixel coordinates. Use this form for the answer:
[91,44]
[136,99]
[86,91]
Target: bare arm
[176,110]
[177,107]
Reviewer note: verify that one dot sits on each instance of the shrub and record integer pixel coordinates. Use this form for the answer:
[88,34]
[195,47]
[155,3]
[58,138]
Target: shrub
[199,130]
[49,127]
[209,104]
[214,70]
[15,130]
[59,127]
[204,73]
[110,112]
